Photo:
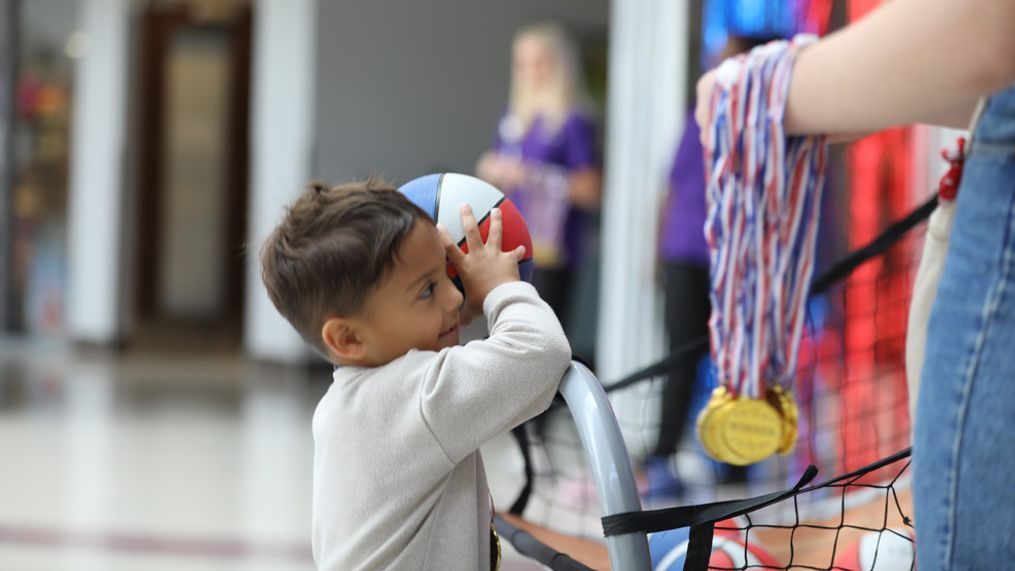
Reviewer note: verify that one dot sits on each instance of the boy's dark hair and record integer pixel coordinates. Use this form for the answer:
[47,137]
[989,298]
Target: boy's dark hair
[332,248]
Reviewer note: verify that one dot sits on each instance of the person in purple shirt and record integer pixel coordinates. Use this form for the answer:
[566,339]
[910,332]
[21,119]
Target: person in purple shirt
[545,157]
[684,258]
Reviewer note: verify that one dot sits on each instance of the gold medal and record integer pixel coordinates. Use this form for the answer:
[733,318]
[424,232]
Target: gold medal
[722,452]
[706,423]
[743,430]
[750,431]
[784,402]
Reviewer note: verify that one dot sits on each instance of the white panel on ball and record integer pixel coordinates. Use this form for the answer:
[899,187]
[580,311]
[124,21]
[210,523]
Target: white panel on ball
[461,189]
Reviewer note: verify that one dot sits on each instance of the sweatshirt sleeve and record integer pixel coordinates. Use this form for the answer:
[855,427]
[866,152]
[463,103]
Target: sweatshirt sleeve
[474,392]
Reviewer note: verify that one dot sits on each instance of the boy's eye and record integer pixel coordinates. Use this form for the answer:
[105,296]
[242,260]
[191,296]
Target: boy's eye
[427,291]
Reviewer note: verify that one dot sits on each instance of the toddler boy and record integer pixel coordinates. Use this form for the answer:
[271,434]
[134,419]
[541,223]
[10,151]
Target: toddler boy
[360,273]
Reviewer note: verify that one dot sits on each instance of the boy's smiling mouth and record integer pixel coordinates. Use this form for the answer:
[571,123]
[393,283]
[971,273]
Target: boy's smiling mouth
[449,331]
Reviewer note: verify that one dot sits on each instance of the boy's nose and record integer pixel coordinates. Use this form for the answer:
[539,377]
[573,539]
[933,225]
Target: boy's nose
[456,298]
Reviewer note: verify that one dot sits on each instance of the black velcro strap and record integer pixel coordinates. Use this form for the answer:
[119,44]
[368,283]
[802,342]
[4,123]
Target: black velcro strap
[699,547]
[879,245]
[678,357]
[685,516]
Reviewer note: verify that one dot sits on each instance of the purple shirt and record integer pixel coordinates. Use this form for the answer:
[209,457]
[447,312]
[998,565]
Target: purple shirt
[682,238]
[571,147]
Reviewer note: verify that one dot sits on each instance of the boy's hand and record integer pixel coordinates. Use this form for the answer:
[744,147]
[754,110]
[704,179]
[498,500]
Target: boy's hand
[485,266]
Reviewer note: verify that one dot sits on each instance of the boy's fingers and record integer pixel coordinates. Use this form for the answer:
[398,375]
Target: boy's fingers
[518,253]
[472,235]
[493,239]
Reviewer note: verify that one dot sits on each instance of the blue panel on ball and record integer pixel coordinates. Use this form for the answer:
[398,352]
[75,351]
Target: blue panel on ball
[423,192]
[525,268]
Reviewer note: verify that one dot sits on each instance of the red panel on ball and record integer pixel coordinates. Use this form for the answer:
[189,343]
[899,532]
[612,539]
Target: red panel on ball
[515,233]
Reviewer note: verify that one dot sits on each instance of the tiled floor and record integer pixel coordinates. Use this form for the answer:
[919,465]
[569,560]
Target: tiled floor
[151,463]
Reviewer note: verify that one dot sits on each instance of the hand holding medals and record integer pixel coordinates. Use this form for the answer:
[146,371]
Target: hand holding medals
[764,195]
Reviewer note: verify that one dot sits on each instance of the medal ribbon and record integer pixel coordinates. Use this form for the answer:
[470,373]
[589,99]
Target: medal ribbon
[764,197]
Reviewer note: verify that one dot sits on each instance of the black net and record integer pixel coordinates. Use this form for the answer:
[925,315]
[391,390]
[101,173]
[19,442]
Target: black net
[848,523]
[854,419]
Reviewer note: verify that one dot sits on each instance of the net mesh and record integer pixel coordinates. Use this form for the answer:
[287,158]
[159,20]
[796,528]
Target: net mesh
[849,523]
[854,412]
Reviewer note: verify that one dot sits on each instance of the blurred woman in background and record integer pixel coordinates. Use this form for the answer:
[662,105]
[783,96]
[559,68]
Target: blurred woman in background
[546,158]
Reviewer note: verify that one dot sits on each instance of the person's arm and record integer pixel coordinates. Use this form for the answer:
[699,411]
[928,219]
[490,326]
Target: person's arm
[497,169]
[957,118]
[485,168]
[581,159]
[585,187]
[909,61]
[506,173]
[471,394]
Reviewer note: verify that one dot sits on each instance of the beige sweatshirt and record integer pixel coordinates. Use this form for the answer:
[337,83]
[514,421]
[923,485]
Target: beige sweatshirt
[398,478]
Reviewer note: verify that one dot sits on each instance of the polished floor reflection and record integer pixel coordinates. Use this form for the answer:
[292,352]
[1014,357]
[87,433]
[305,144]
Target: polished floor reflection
[150,462]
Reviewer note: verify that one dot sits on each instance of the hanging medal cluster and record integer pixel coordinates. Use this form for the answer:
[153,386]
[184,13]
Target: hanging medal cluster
[764,198]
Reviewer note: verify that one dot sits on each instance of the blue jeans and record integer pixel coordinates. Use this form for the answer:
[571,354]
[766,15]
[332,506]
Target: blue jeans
[964,439]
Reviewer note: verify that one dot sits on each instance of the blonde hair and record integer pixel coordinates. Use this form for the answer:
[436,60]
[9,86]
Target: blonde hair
[566,87]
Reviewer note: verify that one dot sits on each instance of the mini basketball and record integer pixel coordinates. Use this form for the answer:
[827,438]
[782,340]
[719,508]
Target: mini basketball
[441,195]
[894,551]
[668,550]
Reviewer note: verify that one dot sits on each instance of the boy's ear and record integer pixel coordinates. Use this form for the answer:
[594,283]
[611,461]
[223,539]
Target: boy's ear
[343,338]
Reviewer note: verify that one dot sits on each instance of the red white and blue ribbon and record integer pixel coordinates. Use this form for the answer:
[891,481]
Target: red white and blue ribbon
[764,197]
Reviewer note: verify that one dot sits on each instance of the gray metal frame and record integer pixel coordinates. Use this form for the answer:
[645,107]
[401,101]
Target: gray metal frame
[608,461]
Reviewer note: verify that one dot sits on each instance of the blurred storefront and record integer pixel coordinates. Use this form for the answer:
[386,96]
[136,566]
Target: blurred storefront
[41,52]
[178,168]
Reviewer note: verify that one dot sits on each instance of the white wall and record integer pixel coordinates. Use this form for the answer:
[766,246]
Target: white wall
[407,88]
[96,174]
[282,126]
[648,58]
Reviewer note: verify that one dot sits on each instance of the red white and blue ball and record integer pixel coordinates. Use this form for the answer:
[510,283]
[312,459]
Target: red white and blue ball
[441,195]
